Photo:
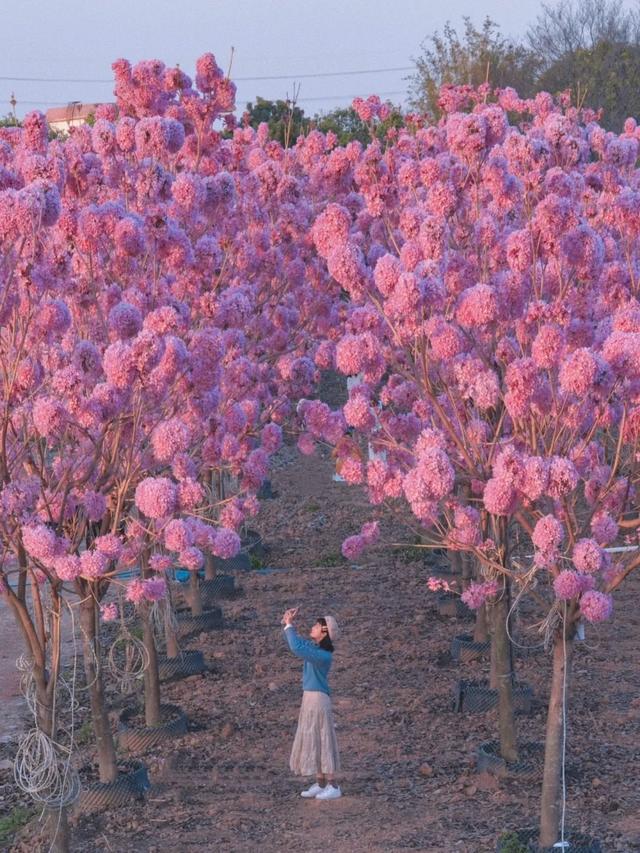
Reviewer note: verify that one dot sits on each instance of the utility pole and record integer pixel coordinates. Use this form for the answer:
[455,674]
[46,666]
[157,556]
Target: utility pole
[13,102]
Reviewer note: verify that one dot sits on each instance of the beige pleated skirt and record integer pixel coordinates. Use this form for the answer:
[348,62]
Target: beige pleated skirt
[315,746]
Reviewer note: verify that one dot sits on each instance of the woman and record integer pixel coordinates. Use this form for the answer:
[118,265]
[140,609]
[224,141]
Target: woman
[315,748]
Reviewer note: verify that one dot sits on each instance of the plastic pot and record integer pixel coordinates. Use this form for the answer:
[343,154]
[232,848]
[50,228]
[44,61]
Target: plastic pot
[140,740]
[526,841]
[265,492]
[208,620]
[240,563]
[476,697]
[254,545]
[465,649]
[449,604]
[529,766]
[222,586]
[99,796]
[187,663]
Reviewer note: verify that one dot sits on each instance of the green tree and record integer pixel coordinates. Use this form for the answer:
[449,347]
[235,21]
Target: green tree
[345,123]
[286,120]
[593,49]
[604,76]
[9,120]
[348,126]
[475,57]
[567,28]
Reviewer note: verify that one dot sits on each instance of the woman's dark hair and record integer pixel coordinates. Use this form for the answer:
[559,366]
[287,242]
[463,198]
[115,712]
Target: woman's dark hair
[325,643]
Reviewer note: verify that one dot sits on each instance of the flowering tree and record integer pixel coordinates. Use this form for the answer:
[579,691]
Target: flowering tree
[133,381]
[167,295]
[489,273]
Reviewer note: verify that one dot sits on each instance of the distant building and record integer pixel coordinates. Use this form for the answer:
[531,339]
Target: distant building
[75,113]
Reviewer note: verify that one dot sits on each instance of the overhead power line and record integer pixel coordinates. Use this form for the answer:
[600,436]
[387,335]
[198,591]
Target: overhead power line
[235,79]
[298,100]
[69,104]
[44,103]
[323,74]
[52,80]
[334,97]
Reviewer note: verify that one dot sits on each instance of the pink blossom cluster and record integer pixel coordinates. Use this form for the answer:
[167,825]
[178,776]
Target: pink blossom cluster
[435,584]
[354,546]
[499,313]
[109,612]
[171,306]
[429,481]
[180,289]
[568,584]
[547,537]
[476,594]
[156,497]
[368,109]
[170,438]
[465,530]
[596,606]
[588,556]
[142,590]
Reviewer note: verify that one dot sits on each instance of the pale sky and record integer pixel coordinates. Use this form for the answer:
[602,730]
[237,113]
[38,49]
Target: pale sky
[79,39]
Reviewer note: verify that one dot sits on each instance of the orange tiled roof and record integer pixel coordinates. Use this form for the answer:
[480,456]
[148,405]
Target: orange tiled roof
[71,111]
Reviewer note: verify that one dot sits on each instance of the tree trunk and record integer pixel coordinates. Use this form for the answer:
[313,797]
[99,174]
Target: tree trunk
[195,599]
[502,675]
[58,830]
[173,649]
[550,809]
[209,567]
[93,673]
[151,674]
[467,563]
[57,823]
[481,627]
[44,701]
[171,640]
[45,684]
[493,668]
[455,562]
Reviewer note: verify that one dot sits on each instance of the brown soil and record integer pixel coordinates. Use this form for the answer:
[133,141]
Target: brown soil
[408,776]
[137,721]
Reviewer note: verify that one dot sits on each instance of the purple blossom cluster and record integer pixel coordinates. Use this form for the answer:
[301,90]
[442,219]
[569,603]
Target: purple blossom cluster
[160,357]
[179,290]
[483,268]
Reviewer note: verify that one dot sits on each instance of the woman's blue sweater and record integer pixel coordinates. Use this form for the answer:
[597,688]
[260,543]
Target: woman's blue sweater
[317,661]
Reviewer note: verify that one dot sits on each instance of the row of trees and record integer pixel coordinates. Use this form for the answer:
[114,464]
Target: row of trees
[158,321]
[489,278]
[171,290]
[287,121]
[589,47]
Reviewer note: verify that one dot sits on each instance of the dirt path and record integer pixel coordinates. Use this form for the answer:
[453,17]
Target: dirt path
[408,775]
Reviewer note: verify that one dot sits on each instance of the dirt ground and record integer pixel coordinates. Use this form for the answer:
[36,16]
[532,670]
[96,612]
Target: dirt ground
[408,759]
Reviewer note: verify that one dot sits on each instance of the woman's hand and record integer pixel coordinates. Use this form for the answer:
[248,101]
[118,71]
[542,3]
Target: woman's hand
[289,616]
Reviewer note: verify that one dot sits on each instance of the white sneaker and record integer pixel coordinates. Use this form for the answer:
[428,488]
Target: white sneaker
[313,791]
[329,793]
